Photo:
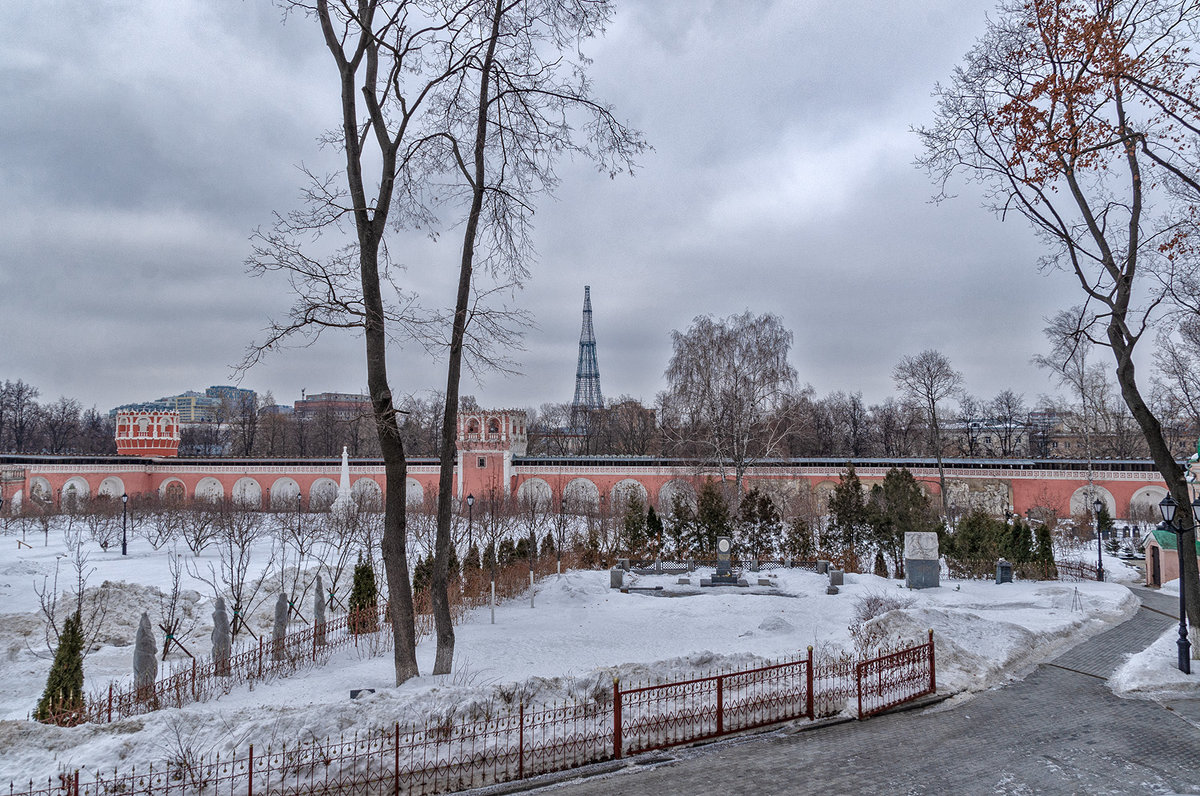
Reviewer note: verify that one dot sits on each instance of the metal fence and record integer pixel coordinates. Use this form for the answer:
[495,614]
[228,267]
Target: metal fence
[526,742]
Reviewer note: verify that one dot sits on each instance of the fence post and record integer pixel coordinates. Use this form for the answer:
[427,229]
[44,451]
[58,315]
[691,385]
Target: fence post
[809,689]
[720,705]
[616,718]
[194,697]
[932,667]
[250,772]
[521,742]
[260,657]
[110,702]
[396,761]
[858,683]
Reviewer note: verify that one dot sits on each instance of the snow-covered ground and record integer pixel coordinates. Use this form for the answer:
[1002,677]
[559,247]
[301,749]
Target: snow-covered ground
[569,646]
[1154,672]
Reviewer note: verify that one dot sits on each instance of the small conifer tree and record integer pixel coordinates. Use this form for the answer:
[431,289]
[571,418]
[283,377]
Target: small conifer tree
[798,542]
[64,687]
[472,562]
[654,529]
[1043,553]
[881,569]
[364,599]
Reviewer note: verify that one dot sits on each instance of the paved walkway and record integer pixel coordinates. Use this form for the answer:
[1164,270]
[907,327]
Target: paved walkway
[1058,731]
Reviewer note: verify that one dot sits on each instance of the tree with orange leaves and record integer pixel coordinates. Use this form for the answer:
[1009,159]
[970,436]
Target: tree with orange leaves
[1083,116]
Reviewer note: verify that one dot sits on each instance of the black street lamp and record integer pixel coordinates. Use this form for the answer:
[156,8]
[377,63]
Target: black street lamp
[1097,506]
[1167,507]
[124,523]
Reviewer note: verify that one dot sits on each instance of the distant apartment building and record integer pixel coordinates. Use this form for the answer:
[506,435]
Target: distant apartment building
[233,397]
[198,407]
[336,405]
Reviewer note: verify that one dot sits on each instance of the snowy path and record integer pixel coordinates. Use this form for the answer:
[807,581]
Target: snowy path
[1060,730]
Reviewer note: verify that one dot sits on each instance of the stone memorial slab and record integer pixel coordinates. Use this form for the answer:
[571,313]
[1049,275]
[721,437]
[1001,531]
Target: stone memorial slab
[922,570]
[724,574]
[836,577]
[616,578]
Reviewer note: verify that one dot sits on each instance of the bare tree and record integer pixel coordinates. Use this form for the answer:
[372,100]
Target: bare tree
[172,620]
[727,379]
[237,534]
[60,424]
[929,379]
[91,605]
[1010,415]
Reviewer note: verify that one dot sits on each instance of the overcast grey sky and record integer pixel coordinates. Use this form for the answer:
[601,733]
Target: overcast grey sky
[141,142]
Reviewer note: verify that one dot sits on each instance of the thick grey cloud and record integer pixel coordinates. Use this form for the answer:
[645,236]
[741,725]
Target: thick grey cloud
[142,142]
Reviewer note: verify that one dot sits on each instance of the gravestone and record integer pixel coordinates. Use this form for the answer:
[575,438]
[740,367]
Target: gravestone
[922,569]
[822,567]
[836,577]
[1003,571]
[616,578]
[724,576]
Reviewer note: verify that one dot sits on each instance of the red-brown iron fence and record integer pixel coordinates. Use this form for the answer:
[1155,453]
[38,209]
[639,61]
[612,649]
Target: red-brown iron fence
[449,756]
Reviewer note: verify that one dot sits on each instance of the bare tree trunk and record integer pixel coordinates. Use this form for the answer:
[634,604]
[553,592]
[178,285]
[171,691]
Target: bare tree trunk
[1165,463]
[370,228]
[439,595]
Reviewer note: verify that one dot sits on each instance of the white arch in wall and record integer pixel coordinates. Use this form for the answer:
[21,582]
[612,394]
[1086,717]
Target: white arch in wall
[40,490]
[74,492]
[247,493]
[368,494]
[666,495]
[1081,500]
[414,493]
[210,489]
[581,495]
[283,494]
[111,487]
[1148,497]
[535,491]
[321,494]
[13,504]
[172,491]
[623,490]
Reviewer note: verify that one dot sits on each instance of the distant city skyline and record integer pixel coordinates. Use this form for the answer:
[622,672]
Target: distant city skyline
[139,151]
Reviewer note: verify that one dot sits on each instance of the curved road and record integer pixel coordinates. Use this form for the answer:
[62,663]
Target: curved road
[1058,731]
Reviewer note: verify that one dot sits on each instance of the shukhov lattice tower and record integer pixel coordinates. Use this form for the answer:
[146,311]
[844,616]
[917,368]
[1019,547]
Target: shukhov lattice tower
[587,374]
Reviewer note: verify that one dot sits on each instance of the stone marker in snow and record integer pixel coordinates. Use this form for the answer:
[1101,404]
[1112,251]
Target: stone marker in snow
[222,639]
[145,658]
[280,630]
[921,567]
[319,613]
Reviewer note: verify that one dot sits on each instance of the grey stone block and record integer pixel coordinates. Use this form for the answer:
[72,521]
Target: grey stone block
[920,573]
[822,567]
[765,582]
[616,578]
[831,589]
[836,577]
[1003,571]
[684,581]
[705,581]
